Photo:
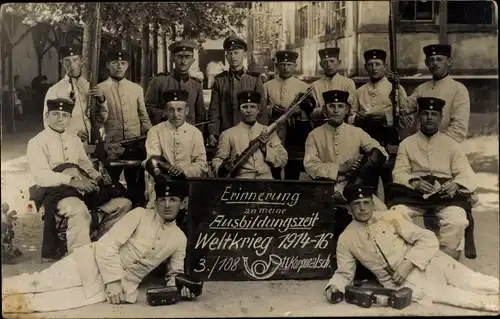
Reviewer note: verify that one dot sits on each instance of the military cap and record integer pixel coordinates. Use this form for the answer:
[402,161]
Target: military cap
[70,50]
[60,105]
[286,56]
[329,53]
[437,49]
[176,188]
[248,97]
[375,54]
[183,45]
[430,103]
[351,193]
[233,42]
[175,95]
[335,96]
[118,55]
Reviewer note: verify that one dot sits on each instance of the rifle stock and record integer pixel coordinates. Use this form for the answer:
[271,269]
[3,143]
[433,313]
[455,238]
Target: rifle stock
[255,144]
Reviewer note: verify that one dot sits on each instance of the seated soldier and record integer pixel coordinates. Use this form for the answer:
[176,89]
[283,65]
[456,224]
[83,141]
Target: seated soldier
[432,176]
[401,254]
[176,142]
[112,268]
[67,185]
[233,141]
[334,151]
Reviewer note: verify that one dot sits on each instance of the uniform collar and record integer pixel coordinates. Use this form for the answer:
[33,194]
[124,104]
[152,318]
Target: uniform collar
[110,79]
[246,126]
[237,74]
[171,127]
[281,80]
[443,79]
[382,80]
[328,78]
[433,137]
[180,76]
[336,129]
[53,132]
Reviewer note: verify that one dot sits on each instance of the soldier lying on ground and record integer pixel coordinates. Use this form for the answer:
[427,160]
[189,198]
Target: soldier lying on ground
[234,141]
[425,158]
[401,254]
[65,191]
[112,268]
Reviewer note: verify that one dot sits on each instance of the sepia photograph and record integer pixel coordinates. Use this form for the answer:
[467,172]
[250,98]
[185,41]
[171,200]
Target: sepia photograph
[249,159]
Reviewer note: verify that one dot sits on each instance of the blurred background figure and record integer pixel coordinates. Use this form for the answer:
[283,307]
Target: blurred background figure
[213,68]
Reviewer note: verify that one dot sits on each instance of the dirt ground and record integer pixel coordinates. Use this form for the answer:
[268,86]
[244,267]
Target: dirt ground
[264,298]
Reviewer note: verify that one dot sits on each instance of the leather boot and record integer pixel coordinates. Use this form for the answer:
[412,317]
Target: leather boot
[470,245]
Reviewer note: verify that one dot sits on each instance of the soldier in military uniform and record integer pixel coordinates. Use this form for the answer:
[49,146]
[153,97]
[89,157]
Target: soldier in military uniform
[375,107]
[179,79]
[224,108]
[75,87]
[281,92]
[332,80]
[127,119]
[456,111]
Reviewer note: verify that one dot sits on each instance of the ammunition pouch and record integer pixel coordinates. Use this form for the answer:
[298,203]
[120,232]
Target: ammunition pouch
[366,297]
[162,296]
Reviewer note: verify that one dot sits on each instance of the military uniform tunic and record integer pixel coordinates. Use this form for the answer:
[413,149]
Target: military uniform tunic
[127,116]
[436,277]
[80,121]
[174,81]
[337,82]
[328,148]
[224,107]
[456,111]
[136,245]
[235,140]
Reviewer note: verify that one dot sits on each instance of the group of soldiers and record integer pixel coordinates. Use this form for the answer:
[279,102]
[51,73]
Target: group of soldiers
[337,133]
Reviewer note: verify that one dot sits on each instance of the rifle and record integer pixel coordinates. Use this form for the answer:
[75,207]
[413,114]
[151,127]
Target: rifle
[394,137]
[255,144]
[95,136]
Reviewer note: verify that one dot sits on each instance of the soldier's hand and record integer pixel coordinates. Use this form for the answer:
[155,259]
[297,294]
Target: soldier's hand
[353,163]
[403,270]
[98,93]
[423,186]
[114,292]
[85,185]
[174,171]
[333,295]
[83,135]
[278,110]
[226,167]
[264,138]
[212,140]
[392,77]
[449,190]
[187,294]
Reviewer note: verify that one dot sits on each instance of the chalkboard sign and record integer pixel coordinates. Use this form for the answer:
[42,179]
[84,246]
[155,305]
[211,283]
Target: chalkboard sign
[258,230]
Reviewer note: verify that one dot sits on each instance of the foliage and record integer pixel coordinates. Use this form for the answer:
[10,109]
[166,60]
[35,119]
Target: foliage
[186,19]
[8,221]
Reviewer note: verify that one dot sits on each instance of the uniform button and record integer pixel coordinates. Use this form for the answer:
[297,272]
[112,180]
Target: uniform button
[67,159]
[136,262]
[65,148]
[153,248]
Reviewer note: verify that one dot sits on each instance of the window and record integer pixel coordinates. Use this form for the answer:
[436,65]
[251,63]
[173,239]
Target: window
[301,31]
[470,12]
[336,17]
[419,11]
[318,18]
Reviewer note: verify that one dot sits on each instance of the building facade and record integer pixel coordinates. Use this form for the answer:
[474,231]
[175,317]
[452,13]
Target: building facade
[355,26]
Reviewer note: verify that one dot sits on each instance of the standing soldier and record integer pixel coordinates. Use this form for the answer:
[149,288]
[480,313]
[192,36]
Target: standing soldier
[127,119]
[75,87]
[281,92]
[456,111]
[332,80]
[374,115]
[224,108]
[179,79]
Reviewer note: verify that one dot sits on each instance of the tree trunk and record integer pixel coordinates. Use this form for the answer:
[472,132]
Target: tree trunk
[144,56]
[125,44]
[154,55]
[86,49]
